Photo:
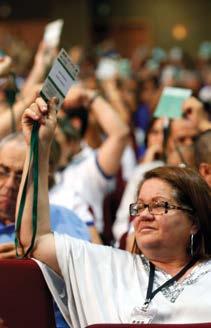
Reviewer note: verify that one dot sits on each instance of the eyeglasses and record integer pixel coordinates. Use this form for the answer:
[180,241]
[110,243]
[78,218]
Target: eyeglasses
[155,208]
[5,173]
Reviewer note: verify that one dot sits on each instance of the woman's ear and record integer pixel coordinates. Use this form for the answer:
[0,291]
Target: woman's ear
[205,171]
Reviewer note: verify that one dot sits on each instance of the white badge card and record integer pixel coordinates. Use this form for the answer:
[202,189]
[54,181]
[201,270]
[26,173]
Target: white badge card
[53,32]
[143,315]
[60,78]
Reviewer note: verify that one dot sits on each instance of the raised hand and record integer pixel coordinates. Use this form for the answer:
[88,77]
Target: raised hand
[45,115]
[7,251]
[152,153]
[45,55]
[78,96]
[194,112]
[5,65]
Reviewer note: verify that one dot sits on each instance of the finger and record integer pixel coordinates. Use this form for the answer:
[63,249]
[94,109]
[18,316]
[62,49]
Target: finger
[30,115]
[37,92]
[7,247]
[5,65]
[53,102]
[8,255]
[40,108]
[43,107]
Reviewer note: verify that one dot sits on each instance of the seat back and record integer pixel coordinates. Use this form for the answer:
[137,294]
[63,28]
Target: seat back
[189,325]
[25,299]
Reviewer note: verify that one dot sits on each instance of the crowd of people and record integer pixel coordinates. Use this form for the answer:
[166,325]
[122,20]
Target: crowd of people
[127,231]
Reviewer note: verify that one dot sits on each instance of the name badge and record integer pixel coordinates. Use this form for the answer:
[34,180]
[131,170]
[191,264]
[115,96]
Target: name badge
[143,314]
[60,78]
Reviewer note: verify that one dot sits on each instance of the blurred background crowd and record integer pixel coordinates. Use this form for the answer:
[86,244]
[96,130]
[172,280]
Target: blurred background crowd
[107,137]
[127,51]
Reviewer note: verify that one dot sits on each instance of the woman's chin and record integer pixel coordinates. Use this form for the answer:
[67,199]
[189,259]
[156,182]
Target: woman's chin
[147,241]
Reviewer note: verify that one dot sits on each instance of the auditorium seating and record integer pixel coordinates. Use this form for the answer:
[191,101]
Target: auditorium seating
[25,300]
[191,325]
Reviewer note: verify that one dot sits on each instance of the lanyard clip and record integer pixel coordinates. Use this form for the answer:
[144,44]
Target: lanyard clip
[146,304]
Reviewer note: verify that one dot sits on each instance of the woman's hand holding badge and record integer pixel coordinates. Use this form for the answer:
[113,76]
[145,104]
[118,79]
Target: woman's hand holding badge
[45,115]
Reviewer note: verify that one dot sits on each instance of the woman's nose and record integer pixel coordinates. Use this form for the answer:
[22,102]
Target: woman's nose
[144,215]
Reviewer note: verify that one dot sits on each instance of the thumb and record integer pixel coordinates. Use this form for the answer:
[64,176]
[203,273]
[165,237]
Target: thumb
[53,103]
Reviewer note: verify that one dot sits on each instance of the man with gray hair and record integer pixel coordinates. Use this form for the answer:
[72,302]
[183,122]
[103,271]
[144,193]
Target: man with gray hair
[12,156]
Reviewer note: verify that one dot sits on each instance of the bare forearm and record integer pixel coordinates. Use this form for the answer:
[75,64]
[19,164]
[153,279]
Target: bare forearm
[95,237]
[110,153]
[6,120]
[121,109]
[43,226]
[18,109]
[108,118]
[104,113]
[43,199]
[35,76]
[45,115]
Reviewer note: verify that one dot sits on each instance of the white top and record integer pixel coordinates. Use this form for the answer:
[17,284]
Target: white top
[82,187]
[107,285]
[128,162]
[121,224]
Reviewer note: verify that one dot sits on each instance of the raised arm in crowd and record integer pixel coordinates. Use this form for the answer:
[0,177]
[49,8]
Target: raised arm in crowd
[46,116]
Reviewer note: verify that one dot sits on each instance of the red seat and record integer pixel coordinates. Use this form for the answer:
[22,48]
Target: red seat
[189,325]
[110,206]
[25,300]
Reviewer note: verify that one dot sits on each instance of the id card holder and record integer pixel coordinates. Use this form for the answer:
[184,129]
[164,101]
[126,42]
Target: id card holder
[60,78]
[143,314]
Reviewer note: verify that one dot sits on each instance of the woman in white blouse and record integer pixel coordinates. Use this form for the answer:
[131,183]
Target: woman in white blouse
[168,277]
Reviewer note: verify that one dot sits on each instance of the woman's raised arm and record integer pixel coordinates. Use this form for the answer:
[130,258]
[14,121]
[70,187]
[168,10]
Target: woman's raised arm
[44,248]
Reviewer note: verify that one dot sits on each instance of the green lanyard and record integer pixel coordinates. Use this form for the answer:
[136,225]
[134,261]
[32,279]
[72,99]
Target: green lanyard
[34,163]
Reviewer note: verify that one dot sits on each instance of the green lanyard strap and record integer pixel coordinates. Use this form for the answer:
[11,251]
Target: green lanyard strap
[34,162]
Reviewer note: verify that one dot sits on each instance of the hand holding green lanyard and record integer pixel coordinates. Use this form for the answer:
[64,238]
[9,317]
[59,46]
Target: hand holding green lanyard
[40,118]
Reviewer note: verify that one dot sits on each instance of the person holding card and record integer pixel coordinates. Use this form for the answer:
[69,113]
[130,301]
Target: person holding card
[171,264]
[193,111]
[202,148]
[94,169]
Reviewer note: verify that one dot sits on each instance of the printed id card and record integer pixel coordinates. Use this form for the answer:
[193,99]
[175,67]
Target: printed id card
[60,78]
[141,315]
